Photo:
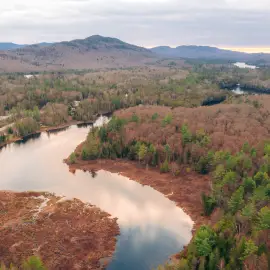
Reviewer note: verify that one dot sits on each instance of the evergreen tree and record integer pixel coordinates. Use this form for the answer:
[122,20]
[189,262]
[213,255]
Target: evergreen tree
[237,201]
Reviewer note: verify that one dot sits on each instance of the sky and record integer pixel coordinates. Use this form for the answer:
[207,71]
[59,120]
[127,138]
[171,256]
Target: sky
[235,24]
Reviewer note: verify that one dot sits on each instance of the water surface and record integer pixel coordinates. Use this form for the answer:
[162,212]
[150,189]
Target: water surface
[152,227]
[244,65]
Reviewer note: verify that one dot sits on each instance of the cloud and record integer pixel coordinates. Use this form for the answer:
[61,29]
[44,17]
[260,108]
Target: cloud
[148,23]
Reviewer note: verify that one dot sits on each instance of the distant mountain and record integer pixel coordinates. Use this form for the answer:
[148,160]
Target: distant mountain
[211,53]
[90,53]
[9,46]
[4,46]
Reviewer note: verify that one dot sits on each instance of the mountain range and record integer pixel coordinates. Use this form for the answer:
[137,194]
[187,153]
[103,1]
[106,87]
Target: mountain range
[104,52]
[210,53]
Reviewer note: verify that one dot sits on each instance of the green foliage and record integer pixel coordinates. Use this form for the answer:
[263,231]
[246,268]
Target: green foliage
[229,178]
[142,151]
[135,118]
[264,218]
[116,103]
[183,265]
[167,120]
[246,147]
[219,173]
[240,189]
[3,138]
[164,167]
[249,249]
[202,139]
[202,263]
[26,127]
[259,194]
[168,152]
[116,124]
[103,135]
[209,204]
[232,162]
[249,184]
[227,223]
[10,130]
[72,158]
[155,116]
[249,210]
[205,240]
[261,177]
[186,135]
[267,149]
[33,263]
[237,201]
[256,104]
[214,260]
[204,164]
[91,147]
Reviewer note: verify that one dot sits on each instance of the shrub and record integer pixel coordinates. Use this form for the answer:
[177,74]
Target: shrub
[72,158]
[33,263]
[2,138]
[154,116]
[167,120]
[134,118]
[164,168]
[209,204]
[26,126]
[10,130]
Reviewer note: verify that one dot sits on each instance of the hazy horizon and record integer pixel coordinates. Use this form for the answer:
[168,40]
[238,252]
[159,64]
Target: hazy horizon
[238,49]
[238,24]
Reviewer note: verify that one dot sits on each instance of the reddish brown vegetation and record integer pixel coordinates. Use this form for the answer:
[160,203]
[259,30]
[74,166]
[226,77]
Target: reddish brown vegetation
[65,234]
[228,125]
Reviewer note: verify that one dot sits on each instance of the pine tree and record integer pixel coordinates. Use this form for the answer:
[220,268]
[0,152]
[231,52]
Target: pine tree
[236,202]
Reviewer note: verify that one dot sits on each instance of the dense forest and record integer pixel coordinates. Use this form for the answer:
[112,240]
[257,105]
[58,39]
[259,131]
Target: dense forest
[164,119]
[229,142]
[49,100]
[60,98]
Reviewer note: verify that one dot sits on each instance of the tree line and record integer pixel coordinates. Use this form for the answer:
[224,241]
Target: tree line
[240,193]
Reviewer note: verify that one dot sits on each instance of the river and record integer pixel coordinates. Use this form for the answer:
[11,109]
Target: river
[151,226]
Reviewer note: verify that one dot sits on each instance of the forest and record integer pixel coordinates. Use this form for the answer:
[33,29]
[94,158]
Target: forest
[54,99]
[230,143]
[171,120]
[50,100]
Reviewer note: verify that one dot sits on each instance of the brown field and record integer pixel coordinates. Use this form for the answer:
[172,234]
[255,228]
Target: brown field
[66,234]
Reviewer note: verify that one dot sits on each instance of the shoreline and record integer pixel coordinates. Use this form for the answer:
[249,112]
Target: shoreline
[184,190]
[46,129]
[78,235]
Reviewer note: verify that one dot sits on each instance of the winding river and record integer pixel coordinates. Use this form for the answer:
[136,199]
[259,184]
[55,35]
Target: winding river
[152,227]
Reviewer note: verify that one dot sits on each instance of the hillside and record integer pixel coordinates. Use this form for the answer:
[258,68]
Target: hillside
[90,53]
[9,46]
[211,53]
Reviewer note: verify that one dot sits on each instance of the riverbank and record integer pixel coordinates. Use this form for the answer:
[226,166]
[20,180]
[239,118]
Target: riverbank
[45,129]
[66,234]
[185,190]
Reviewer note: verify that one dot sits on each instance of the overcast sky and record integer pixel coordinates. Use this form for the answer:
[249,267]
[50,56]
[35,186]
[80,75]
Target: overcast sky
[223,23]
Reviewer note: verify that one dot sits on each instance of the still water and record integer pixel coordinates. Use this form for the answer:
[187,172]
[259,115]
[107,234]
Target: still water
[244,65]
[152,228]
